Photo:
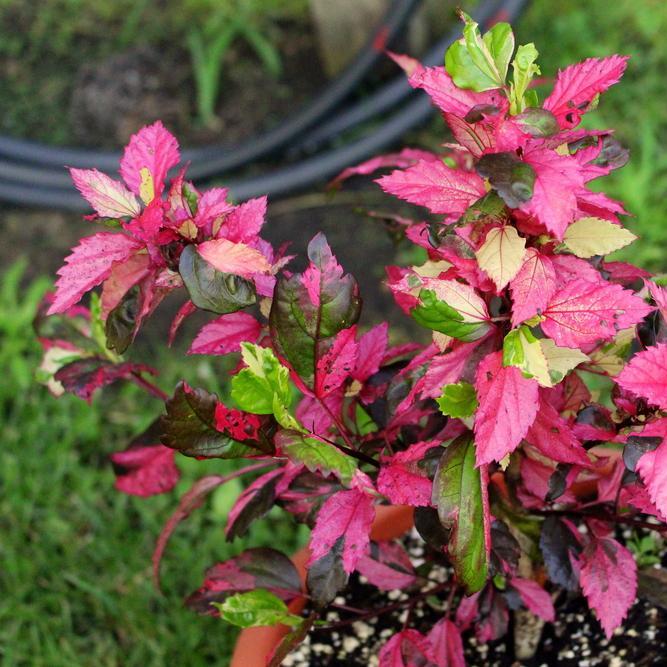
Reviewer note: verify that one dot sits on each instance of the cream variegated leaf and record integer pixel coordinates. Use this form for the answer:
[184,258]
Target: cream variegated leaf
[611,358]
[561,360]
[523,350]
[501,255]
[588,237]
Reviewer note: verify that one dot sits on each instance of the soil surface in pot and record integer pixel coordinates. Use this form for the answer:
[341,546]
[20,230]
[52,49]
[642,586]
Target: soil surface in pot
[575,640]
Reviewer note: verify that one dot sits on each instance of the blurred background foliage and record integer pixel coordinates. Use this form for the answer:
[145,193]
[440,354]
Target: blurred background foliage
[75,587]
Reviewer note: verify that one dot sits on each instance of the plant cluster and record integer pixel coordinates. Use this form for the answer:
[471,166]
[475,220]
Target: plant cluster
[523,434]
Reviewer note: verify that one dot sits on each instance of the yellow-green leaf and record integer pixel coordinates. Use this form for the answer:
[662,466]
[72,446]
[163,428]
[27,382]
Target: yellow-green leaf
[523,350]
[501,254]
[611,358]
[561,360]
[588,237]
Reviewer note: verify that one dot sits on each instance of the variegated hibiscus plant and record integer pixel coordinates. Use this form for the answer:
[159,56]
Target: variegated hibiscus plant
[521,438]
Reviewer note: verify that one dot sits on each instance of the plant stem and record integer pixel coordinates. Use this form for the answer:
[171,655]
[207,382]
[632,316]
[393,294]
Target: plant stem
[450,600]
[189,502]
[388,608]
[348,447]
[148,386]
[613,518]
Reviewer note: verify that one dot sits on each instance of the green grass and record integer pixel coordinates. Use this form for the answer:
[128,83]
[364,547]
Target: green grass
[75,586]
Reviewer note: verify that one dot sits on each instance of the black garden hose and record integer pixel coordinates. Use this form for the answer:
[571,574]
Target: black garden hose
[223,158]
[300,175]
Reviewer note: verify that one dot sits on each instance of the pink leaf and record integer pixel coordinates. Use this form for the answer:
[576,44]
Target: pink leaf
[88,265]
[475,137]
[145,470]
[535,598]
[533,286]
[557,180]
[154,150]
[317,418]
[324,276]
[245,222]
[577,86]
[402,480]
[625,274]
[406,158]
[254,568]
[347,514]
[109,198]
[236,423]
[446,643]
[236,258]
[646,375]
[439,188]
[261,493]
[609,581]
[408,648]
[569,268]
[212,206]
[652,466]
[448,97]
[225,334]
[388,567]
[507,408]
[121,279]
[552,436]
[148,225]
[582,312]
[336,365]
[183,312]
[372,348]
[85,376]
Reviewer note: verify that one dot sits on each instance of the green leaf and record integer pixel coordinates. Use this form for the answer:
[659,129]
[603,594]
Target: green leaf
[438,315]
[254,387]
[364,421]
[263,388]
[256,608]
[189,426]
[458,400]
[560,360]
[523,350]
[525,68]
[480,63]
[327,575]
[210,289]
[302,320]
[316,455]
[96,322]
[510,177]
[537,122]
[457,494]
[121,322]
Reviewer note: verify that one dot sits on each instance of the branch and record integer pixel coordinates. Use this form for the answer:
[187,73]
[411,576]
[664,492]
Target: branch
[190,501]
[607,516]
[148,386]
[390,607]
[348,448]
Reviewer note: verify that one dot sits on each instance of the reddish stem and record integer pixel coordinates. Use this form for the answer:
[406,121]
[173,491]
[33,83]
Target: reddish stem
[389,608]
[348,448]
[148,386]
[613,518]
[189,502]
